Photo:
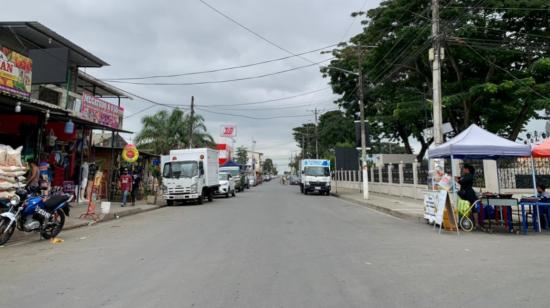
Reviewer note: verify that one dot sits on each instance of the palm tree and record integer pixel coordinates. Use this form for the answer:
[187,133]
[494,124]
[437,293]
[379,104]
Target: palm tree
[164,131]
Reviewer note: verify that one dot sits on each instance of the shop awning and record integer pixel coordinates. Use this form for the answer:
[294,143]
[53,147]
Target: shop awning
[35,35]
[94,125]
[477,143]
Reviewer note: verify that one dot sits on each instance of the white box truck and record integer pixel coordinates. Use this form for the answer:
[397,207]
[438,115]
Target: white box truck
[315,176]
[190,174]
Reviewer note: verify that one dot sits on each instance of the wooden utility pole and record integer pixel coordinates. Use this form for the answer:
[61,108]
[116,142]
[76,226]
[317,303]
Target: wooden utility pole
[436,75]
[191,120]
[316,136]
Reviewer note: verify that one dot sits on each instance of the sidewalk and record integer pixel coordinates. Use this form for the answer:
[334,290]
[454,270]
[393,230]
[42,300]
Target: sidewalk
[74,221]
[406,208]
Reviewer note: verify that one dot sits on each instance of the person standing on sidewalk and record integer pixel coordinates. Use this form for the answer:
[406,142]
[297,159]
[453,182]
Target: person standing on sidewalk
[136,184]
[125,186]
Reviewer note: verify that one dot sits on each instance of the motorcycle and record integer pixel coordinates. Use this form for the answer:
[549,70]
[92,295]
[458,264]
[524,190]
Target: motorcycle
[30,212]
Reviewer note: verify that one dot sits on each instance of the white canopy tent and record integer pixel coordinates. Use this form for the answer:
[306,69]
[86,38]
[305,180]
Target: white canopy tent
[477,143]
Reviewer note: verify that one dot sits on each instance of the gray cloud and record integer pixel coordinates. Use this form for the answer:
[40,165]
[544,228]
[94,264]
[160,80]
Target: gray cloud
[164,37]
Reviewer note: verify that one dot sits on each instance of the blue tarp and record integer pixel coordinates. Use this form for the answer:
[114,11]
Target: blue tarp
[477,143]
[231,163]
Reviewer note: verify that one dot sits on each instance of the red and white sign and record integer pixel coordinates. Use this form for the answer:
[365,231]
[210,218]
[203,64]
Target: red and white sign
[228,130]
[101,112]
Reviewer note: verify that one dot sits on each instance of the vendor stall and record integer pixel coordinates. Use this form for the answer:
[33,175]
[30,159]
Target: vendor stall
[477,143]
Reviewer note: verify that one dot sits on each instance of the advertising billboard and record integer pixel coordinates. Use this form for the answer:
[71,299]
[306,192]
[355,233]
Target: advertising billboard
[228,130]
[101,112]
[15,73]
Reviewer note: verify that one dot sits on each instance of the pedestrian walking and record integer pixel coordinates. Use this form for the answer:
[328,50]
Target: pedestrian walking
[136,184]
[125,186]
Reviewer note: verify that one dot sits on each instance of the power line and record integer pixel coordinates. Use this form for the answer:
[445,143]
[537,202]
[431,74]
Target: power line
[267,108]
[500,8]
[221,81]
[255,118]
[252,31]
[219,69]
[505,71]
[272,100]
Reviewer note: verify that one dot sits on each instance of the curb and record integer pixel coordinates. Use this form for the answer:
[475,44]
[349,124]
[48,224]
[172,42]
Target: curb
[112,216]
[382,209]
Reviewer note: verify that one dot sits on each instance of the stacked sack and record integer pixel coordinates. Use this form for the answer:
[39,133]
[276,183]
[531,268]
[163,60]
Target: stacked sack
[12,170]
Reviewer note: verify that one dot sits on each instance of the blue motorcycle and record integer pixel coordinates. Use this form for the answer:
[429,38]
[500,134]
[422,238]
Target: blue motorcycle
[30,212]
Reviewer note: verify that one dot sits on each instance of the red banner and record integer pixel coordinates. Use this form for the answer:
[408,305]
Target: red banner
[101,112]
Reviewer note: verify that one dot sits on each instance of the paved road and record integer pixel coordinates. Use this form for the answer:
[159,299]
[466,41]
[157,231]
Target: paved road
[272,247]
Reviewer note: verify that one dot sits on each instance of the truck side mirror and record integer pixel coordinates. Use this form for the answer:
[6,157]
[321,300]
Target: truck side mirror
[201,168]
[303,171]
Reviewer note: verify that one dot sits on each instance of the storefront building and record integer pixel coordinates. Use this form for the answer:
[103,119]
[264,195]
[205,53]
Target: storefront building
[49,107]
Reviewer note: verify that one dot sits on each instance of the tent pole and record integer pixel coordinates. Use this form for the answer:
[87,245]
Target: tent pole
[533,173]
[455,195]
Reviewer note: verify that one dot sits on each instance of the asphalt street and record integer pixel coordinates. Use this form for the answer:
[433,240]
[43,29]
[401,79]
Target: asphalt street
[273,247]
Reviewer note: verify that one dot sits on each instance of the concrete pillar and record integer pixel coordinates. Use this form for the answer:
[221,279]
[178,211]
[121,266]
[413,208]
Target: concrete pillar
[415,172]
[401,175]
[372,174]
[490,174]
[353,174]
[380,174]
[390,179]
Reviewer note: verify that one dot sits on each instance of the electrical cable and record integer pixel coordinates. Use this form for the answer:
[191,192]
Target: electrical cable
[252,31]
[222,81]
[271,100]
[219,69]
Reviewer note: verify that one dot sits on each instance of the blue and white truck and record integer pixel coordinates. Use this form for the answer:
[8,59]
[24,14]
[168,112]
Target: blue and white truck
[315,176]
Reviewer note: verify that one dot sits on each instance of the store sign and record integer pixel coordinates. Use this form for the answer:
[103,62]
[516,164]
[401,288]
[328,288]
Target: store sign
[101,112]
[15,73]
[228,130]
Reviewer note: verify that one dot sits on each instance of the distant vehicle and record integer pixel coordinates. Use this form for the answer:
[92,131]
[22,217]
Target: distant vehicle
[266,177]
[237,175]
[251,180]
[190,174]
[227,185]
[294,180]
[315,176]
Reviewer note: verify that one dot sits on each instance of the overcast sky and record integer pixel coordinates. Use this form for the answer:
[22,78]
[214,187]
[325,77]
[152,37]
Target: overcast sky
[140,38]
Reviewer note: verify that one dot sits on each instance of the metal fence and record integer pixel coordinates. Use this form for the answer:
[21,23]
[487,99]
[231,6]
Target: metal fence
[423,173]
[385,174]
[517,172]
[395,173]
[376,177]
[408,175]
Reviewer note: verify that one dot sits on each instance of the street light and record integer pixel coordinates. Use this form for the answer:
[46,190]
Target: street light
[364,167]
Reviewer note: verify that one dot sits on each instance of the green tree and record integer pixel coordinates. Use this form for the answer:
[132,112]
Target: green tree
[165,131]
[242,155]
[269,167]
[494,72]
[305,137]
[334,128]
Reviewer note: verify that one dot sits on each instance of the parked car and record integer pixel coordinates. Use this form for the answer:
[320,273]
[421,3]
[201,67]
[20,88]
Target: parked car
[227,185]
[237,175]
[251,180]
[294,180]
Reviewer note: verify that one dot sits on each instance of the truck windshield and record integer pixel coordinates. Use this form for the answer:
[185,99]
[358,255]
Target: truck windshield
[317,171]
[232,171]
[180,169]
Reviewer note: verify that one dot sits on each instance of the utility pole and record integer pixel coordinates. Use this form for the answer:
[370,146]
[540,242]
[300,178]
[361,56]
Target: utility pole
[362,123]
[191,118]
[316,136]
[436,75]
